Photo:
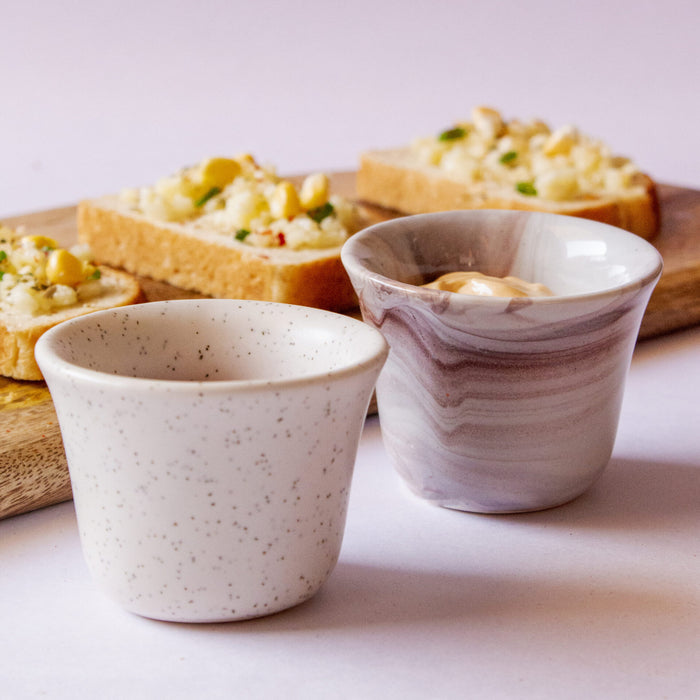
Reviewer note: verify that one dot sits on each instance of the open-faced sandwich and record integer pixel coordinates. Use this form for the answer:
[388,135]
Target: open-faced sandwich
[491,163]
[230,228]
[42,284]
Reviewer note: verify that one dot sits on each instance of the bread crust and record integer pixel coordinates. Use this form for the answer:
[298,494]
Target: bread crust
[19,333]
[210,264]
[389,179]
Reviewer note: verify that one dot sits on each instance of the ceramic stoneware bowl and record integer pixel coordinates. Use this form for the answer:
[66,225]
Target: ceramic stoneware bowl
[502,404]
[211,445]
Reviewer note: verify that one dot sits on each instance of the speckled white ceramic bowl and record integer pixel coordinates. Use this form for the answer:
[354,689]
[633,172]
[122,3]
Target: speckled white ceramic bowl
[211,445]
[502,405]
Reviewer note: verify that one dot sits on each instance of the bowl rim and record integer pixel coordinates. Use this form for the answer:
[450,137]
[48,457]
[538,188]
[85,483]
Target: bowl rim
[374,350]
[353,262]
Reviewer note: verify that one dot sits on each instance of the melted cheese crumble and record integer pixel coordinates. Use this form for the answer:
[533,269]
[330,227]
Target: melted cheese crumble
[529,157]
[240,198]
[37,276]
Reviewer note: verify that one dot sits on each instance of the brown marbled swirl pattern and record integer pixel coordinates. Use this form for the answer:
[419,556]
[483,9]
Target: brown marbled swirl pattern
[502,405]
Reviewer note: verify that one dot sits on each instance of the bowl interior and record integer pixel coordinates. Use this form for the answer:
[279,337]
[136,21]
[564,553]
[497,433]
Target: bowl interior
[212,340]
[569,255]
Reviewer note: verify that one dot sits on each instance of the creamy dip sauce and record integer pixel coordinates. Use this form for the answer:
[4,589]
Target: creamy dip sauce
[477,284]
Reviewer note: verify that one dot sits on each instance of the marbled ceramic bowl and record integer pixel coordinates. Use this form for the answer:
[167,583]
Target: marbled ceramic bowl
[211,445]
[502,404]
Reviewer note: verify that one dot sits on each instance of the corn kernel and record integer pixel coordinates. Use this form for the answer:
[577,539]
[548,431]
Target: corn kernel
[314,191]
[39,242]
[63,267]
[246,161]
[538,127]
[487,122]
[561,141]
[284,201]
[219,172]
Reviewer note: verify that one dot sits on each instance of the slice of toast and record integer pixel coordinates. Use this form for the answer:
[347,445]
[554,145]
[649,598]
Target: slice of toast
[209,263]
[239,233]
[19,330]
[492,164]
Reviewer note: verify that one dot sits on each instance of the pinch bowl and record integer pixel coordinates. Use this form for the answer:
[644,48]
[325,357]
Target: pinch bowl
[211,445]
[501,405]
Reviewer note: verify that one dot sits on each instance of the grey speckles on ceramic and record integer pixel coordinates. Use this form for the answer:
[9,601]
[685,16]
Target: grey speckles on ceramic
[211,446]
[502,405]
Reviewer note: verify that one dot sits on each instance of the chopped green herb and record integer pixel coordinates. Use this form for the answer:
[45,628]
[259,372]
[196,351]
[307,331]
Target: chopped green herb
[320,213]
[242,234]
[207,196]
[456,132]
[3,255]
[526,188]
[508,157]
[95,275]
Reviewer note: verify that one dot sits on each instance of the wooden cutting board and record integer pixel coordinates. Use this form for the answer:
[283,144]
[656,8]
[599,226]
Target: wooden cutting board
[33,471]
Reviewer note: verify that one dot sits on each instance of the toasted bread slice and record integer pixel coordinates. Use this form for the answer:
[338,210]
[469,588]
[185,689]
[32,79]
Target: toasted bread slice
[206,262]
[492,164]
[229,228]
[19,331]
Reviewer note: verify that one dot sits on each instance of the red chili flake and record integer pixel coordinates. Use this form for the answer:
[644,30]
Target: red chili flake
[281,238]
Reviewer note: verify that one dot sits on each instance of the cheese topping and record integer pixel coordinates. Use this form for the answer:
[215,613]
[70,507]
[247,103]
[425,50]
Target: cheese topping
[559,165]
[476,284]
[239,198]
[37,276]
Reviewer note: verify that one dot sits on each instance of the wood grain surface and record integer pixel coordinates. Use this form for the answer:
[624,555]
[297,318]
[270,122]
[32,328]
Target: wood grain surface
[33,470]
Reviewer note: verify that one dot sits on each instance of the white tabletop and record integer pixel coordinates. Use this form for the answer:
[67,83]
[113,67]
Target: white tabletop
[599,598]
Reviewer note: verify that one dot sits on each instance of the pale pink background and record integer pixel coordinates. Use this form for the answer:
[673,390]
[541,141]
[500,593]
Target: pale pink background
[598,599]
[98,95]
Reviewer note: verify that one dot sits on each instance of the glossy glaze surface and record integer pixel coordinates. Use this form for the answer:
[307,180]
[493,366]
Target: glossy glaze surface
[498,404]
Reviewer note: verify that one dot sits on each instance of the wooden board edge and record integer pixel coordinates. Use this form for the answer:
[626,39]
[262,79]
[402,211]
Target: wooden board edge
[674,304]
[35,474]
